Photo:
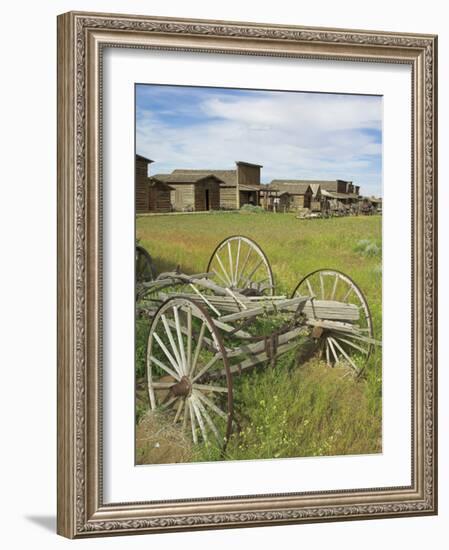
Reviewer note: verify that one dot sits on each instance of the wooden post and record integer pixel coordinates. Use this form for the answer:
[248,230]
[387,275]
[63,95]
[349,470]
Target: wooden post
[237,186]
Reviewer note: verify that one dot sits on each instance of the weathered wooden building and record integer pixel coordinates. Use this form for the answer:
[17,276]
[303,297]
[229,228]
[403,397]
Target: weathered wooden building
[248,183]
[335,186]
[141,183]
[316,202]
[236,187]
[191,190]
[159,194]
[370,205]
[240,186]
[293,194]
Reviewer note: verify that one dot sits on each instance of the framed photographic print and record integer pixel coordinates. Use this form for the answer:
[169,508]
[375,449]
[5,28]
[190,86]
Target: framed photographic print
[247,274]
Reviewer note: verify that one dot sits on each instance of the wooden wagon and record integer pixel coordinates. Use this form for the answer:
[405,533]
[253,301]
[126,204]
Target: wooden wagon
[206,328]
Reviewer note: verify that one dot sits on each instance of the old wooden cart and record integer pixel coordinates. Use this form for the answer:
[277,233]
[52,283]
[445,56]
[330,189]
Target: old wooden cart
[207,327]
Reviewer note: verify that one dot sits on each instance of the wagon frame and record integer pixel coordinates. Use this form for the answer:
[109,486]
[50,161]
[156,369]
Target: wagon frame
[205,328]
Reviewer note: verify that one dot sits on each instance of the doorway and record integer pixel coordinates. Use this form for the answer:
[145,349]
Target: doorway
[207,199]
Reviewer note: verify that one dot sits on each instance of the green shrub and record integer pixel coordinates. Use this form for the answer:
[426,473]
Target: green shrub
[252,209]
[368,248]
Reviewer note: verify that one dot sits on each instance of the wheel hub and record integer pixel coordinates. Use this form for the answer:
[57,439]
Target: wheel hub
[183,388]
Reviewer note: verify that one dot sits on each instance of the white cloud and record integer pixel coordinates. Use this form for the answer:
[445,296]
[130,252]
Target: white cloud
[292,135]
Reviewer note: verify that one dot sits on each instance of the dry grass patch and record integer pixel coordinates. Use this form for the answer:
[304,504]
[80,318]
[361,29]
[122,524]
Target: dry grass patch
[158,441]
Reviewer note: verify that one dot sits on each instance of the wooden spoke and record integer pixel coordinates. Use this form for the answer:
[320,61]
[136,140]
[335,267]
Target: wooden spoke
[223,269]
[237,261]
[345,355]
[167,403]
[241,304]
[322,286]
[207,417]
[206,387]
[309,286]
[220,277]
[168,355]
[210,404]
[246,264]
[351,289]
[186,415]
[346,341]
[180,342]
[178,362]
[164,367]
[179,410]
[199,418]
[206,367]
[192,422]
[231,263]
[197,349]
[205,300]
[162,385]
[361,338]
[249,277]
[331,346]
[334,288]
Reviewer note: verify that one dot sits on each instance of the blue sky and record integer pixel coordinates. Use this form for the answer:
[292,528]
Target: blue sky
[294,135]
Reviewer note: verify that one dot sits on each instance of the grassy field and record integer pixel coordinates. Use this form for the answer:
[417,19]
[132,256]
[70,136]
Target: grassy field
[305,409]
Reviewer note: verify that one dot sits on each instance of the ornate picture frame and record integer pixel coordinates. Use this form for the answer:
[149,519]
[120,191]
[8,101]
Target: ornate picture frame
[82,39]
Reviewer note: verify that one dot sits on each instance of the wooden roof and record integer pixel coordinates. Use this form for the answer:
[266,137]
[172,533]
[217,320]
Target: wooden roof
[293,187]
[160,177]
[328,185]
[191,176]
[335,195]
[227,177]
[158,184]
[332,195]
[243,163]
[143,159]
[316,188]
[249,187]
[373,200]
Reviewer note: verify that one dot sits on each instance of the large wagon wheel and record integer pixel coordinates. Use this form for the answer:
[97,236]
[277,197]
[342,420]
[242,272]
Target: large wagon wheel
[238,263]
[340,345]
[185,351]
[144,265]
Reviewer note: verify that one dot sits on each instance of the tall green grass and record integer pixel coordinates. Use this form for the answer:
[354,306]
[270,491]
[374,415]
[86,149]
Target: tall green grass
[297,408]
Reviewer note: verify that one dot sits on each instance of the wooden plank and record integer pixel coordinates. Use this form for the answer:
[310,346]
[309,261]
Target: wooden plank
[259,346]
[331,310]
[267,307]
[259,358]
[345,329]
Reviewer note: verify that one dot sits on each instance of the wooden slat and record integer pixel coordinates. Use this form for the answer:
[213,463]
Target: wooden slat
[258,358]
[265,308]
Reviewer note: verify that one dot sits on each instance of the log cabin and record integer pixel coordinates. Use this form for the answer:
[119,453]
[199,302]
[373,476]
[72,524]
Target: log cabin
[237,187]
[159,195]
[293,194]
[191,190]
